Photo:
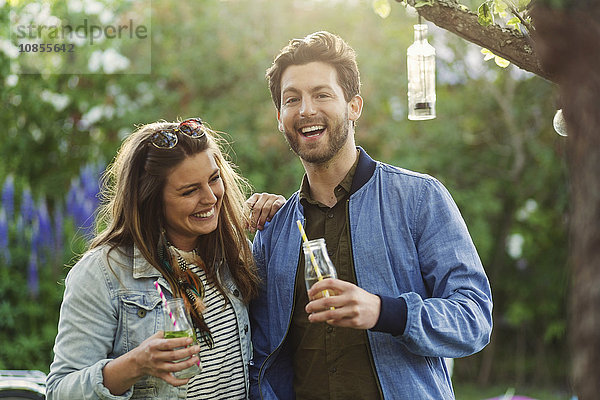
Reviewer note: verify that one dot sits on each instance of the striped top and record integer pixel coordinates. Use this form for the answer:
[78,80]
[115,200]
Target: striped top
[222,375]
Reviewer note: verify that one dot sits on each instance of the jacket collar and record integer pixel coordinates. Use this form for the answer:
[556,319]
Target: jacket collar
[364,170]
[141,267]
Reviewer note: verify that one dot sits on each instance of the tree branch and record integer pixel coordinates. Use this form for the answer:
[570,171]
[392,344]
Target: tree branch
[508,44]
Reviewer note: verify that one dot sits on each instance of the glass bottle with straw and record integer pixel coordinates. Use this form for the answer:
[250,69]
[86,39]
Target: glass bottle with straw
[317,265]
[178,324]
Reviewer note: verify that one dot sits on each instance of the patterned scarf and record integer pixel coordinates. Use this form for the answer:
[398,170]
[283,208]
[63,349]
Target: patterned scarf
[177,264]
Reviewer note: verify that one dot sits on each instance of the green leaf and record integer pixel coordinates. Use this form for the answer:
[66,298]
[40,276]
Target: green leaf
[555,330]
[499,7]
[501,62]
[488,54]
[513,22]
[423,3]
[484,15]
[522,4]
[519,313]
[382,8]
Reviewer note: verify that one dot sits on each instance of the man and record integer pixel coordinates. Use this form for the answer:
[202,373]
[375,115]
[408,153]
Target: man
[411,288]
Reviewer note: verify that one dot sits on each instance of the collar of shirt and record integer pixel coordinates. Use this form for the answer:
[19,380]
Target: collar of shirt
[340,191]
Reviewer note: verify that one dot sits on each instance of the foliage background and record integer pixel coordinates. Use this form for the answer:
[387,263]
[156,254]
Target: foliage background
[492,145]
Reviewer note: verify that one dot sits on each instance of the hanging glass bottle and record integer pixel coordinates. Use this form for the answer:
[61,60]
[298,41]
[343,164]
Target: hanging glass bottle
[420,58]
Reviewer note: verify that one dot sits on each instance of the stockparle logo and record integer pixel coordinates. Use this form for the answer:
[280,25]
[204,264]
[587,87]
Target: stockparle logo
[81,37]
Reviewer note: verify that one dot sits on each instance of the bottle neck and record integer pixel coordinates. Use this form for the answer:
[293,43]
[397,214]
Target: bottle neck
[420,33]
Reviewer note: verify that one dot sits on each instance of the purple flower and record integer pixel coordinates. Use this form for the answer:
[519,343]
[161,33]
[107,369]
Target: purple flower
[26,216]
[8,195]
[72,196]
[45,225]
[58,228]
[27,206]
[4,246]
[82,199]
[32,275]
[76,205]
[35,241]
[90,175]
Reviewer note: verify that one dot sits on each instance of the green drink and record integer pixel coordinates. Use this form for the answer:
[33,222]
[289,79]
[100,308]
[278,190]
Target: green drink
[184,329]
[180,334]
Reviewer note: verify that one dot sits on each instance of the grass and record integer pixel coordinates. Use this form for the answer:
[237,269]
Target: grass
[473,392]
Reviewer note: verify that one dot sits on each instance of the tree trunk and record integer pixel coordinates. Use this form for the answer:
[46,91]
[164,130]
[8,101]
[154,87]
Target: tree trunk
[568,43]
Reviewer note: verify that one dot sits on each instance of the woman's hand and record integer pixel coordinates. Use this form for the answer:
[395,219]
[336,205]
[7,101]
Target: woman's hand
[155,356]
[262,208]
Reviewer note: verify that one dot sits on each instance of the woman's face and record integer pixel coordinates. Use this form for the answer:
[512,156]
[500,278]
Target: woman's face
[192,199]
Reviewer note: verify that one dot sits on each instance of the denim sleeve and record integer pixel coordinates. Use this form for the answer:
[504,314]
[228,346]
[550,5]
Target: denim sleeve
[456,319]
[259,355]
[86,331]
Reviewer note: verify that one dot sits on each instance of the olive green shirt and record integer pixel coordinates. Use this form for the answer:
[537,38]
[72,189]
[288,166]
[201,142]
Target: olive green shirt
[329,362]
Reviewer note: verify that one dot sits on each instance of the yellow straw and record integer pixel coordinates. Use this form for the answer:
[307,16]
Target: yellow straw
[312,256]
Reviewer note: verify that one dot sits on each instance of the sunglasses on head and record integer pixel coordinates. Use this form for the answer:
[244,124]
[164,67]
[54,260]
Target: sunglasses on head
[167,138]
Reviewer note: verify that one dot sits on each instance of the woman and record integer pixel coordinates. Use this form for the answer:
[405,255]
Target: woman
[174,214]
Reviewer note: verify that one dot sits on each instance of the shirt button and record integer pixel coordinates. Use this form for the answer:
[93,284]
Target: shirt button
[332,370]
[246,328]
[141,313]
[329,329]
[330,215]
[236,293]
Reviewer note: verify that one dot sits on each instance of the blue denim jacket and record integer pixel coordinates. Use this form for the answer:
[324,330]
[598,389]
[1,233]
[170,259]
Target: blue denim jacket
[408,241]
[108,309]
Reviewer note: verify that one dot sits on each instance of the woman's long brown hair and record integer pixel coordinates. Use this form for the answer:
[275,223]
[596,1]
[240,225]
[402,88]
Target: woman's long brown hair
[132,207]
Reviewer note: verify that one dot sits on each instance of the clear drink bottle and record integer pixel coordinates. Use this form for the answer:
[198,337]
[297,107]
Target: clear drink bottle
[317,265]
[178,324]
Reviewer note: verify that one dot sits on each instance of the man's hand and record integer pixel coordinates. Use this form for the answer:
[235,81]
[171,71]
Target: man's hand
[262,208]
[353,307]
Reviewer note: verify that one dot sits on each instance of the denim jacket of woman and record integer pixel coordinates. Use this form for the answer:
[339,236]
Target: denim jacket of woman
[110,307]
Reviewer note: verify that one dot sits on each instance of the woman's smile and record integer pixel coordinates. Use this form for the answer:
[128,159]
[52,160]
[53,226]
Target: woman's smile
[192,196]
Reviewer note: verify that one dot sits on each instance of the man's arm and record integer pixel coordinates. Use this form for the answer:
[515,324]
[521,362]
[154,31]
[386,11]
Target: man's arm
[454,319]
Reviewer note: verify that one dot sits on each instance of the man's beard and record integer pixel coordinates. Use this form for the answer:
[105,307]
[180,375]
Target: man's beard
[313,153]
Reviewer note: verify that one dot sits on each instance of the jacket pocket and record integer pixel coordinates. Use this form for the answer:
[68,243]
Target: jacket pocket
[141,318]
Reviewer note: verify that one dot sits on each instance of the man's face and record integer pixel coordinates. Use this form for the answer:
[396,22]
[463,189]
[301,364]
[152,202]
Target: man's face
[314,115]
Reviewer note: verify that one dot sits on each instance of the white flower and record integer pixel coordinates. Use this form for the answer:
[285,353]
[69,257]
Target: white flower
[113,61]
[93,115]
[95,61]
[106,16]
[59,101]
[9,49]
[93,7]
[11,80]
[514,245]
[109,60]
[75,6]
[528,208]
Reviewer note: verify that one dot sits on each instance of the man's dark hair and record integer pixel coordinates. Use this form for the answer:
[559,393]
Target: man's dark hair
[317,47]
